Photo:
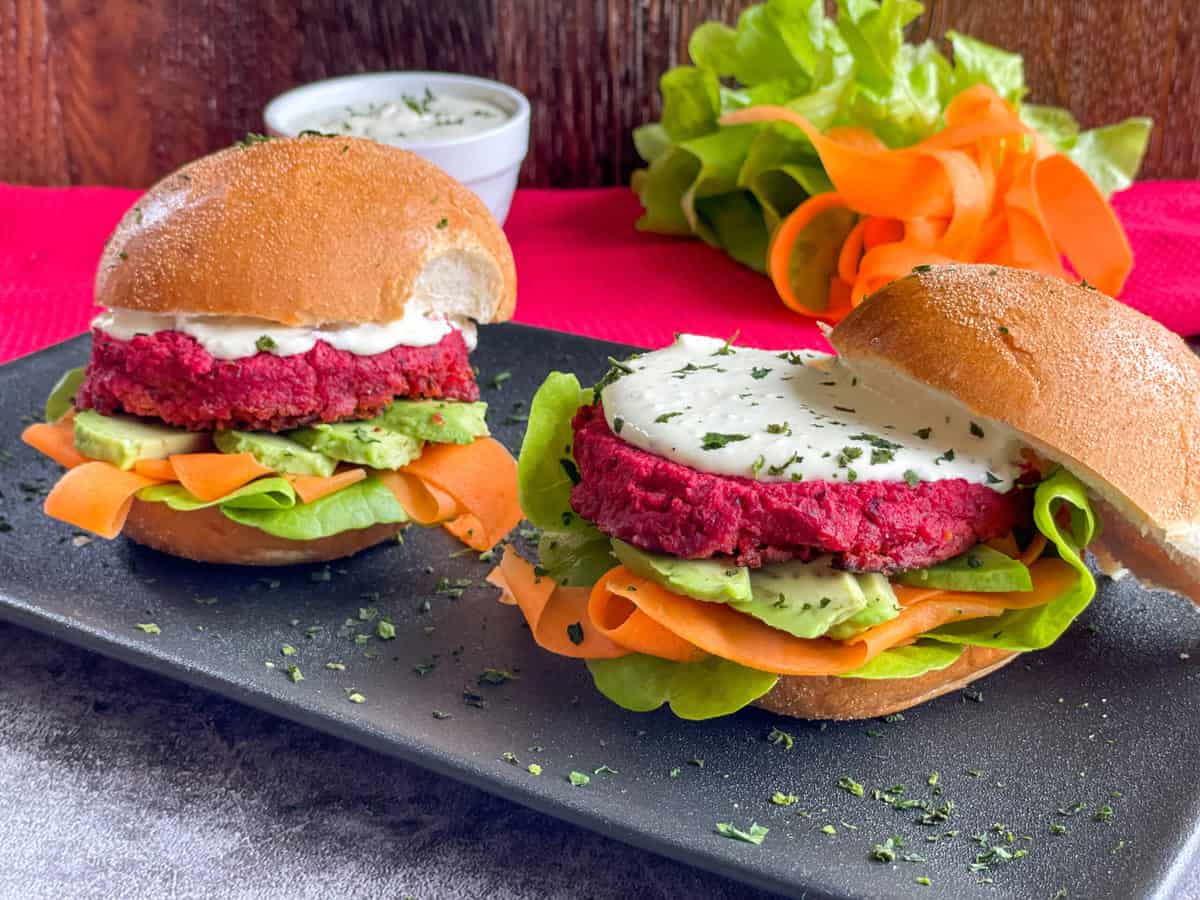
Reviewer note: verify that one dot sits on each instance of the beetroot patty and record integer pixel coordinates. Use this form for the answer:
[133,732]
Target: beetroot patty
[869,526]
[171,376]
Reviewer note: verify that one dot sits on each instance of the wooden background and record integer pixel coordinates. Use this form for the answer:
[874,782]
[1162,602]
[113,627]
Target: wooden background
[122,91]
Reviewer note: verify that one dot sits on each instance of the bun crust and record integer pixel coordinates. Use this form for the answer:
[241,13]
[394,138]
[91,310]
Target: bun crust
[206,535]
[310,230]
[830,697]
[1085,381]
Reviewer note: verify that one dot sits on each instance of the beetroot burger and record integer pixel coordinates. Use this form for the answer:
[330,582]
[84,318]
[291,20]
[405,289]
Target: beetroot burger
[847,536]
[281,372]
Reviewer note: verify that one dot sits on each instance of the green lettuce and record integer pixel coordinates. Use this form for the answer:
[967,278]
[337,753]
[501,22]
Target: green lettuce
[571,549]
[730,186]
[1041,626]
[706,689]
[361,505]
[910,661]
[263,493]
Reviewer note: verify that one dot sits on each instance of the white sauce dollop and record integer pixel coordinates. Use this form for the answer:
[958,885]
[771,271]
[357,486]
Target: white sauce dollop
[410,119]
[230,337]
[796,416]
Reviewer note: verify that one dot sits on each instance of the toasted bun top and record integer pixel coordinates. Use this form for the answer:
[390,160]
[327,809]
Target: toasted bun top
[309,230]
[1083,380]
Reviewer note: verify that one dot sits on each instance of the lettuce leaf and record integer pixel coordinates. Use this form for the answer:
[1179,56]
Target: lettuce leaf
[1041,626]
[571,549]
[264,493]
[731,186]
[910,661]
[361,505]
[701,690]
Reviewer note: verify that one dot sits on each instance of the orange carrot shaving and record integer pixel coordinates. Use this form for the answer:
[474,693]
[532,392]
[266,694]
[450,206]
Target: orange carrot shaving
[310,488]
[95,496]
[986,188]
[156,468]
[481,478]
[57,441]
[557,616]
[623,623]
[210,476]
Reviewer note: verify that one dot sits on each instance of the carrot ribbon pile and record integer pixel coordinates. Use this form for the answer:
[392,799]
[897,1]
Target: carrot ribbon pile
[624,613]
[986,188]
[470,489]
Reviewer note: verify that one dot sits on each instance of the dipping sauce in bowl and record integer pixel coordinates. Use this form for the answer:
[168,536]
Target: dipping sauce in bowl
[411,119]
[475,129]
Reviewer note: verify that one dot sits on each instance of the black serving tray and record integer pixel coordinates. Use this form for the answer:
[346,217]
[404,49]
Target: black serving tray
[1109,717]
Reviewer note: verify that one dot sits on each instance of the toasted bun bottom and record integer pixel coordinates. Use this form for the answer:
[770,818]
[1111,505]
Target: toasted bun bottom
[830,697]
[206,535]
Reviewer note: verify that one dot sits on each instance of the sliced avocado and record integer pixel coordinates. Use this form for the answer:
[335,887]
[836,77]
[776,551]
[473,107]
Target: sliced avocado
[704,579]
[365,443]
[804,599]
[979,569]
[62,396]
[123,440]
[276,451]
[882,605]
[441,421]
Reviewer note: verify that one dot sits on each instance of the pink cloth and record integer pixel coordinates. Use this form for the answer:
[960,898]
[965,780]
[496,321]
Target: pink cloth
[582,268]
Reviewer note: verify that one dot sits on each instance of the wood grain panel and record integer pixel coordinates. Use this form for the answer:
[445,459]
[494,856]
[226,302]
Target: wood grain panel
[122,91]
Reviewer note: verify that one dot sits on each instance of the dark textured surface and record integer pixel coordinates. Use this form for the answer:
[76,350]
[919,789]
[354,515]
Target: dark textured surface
[117,783]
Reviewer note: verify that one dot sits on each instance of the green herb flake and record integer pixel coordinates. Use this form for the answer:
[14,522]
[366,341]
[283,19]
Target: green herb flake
[578,779]
[424,668]
[754,835]
[727,348]
[336,666]
[295,674]
[148,628]
[976,430]
[356,697]
[848,784]
[605,770]
[499,378]
[495,676]
[443,222]
[667,417]
[923,433]
[715,441]
[758,374]
[781,799]
[828,829]
[287,650]
[385,629]
[534,769]
[780,738]
[265,343]
[1104,813]
[923,879]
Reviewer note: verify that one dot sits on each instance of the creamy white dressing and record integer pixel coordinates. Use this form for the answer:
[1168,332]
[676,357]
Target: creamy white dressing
[238,337]
[410,119]
[796,416]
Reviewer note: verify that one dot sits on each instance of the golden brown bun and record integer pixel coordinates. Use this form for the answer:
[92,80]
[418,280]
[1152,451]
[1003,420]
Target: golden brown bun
[830,697]
[1081,379]
[207,535]
[304,231]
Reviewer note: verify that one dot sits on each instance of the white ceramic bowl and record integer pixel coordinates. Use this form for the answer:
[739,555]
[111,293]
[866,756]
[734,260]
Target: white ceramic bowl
[488,162]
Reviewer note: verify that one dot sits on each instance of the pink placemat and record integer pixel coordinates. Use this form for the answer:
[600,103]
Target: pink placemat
[582,268]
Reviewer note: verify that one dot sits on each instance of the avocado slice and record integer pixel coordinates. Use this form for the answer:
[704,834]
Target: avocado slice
[882,605]
[441,421]
[276,451]
[804,599]
[704,579]
[123,440]
[364,443]
[62,396]
[979,569]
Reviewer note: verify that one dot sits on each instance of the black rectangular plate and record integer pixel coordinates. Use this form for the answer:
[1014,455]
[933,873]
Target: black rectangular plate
[1108,716]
